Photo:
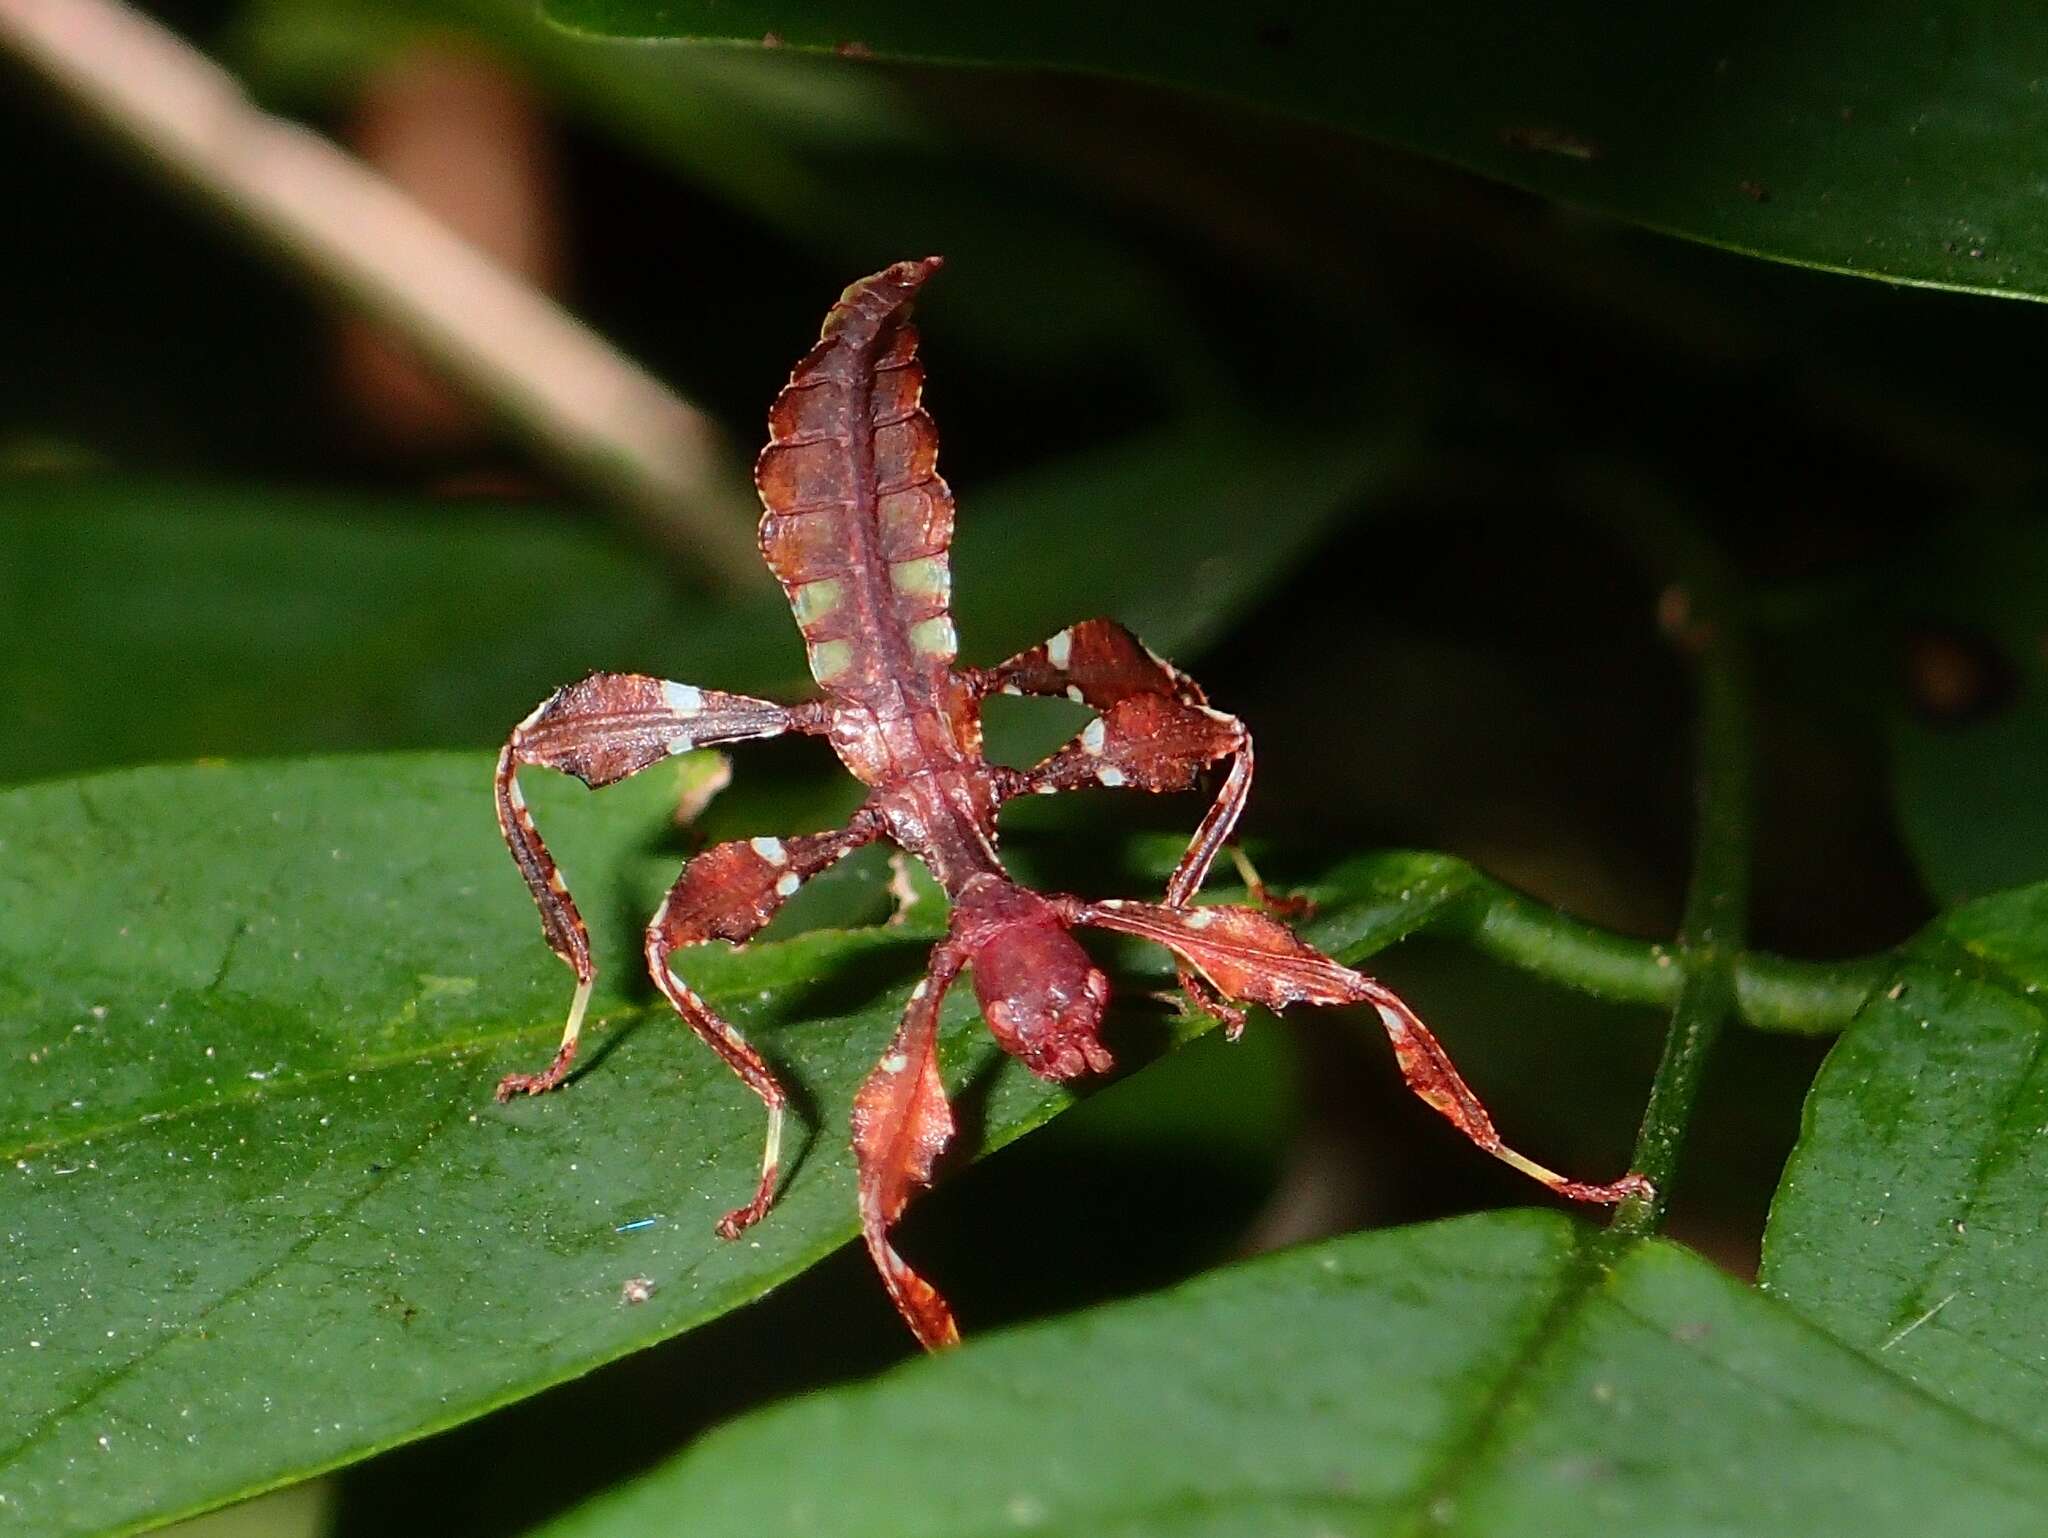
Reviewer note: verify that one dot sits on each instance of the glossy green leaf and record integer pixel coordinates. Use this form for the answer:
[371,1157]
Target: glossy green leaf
[235,621]
[1893,141]
[261,1215]
[1911,1220]
[1483,1376]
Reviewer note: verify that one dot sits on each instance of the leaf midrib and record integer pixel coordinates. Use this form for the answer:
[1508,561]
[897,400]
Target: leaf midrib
[1590,1263]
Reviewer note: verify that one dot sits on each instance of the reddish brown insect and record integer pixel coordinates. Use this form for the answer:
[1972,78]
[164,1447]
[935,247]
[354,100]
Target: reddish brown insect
[857,528]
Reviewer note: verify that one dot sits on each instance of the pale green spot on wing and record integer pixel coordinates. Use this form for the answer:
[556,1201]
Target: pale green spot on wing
[935,638]
[927,577]
[829,659]
[814,600]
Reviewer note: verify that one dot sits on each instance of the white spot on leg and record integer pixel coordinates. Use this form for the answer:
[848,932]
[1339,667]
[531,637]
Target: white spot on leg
[683,699]
[1091,738]
[1110,775]
[1074,693]
[1201,918]
[769,849]
[895,1062]
[787,883]
[682,742]
[1059,649]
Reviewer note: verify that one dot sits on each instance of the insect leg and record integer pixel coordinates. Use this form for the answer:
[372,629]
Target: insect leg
[1156,731]
[728,893]
[1095,663]
[900,1123]
[1253,957]
[608,726]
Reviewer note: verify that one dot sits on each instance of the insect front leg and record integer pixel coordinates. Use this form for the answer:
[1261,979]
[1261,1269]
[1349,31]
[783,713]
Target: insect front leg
[1251,956]
[901,1122]
[729,892]
[1156,731]
[608,726]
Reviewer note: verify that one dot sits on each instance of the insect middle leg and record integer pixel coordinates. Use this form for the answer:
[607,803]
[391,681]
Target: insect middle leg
[729,892]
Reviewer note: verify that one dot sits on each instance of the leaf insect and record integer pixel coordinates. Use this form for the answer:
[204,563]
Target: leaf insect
[857,526]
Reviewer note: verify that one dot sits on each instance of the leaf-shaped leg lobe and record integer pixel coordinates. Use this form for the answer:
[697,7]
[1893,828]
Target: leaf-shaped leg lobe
[901,1123]
[1251,956]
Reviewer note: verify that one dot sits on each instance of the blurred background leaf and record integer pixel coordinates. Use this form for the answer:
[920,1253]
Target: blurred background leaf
[1971,736]
[235,621]
[1890,141]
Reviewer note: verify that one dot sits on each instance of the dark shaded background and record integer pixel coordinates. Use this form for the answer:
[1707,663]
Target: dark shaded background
[1469,662]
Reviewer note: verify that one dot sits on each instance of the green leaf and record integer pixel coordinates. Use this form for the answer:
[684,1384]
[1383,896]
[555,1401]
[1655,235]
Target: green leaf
[1489,1375]
[239,621]
[1967,755]
[1911,1219]
[262,1215]
[1892,141]
[222,622]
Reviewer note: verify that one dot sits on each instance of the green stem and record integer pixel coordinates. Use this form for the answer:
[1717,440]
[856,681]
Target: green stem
[1398,894]
[1713,930]
[1772,993]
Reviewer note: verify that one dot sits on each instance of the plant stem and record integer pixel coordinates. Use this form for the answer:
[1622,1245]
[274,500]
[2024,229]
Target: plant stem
[1772,993]
[594,411]
[1713,929]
